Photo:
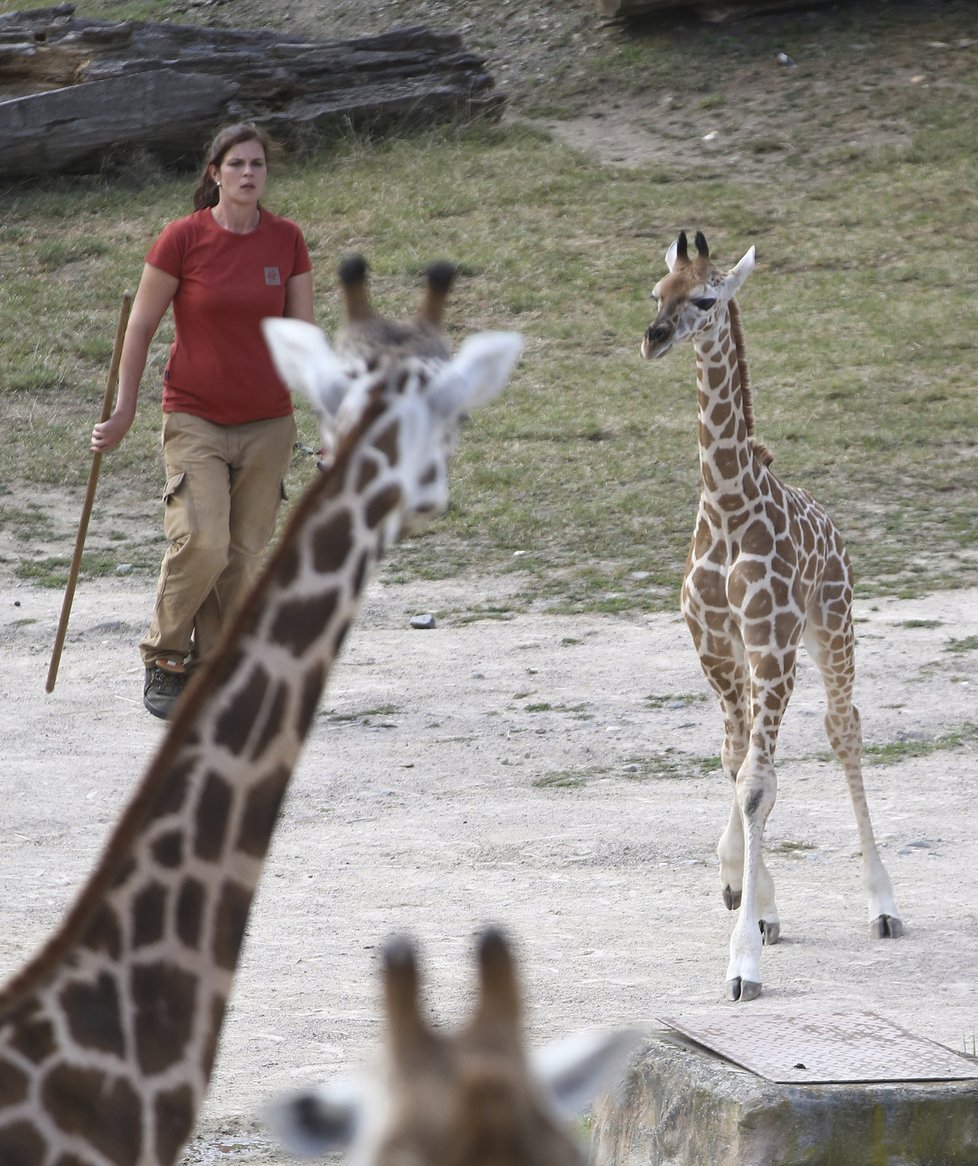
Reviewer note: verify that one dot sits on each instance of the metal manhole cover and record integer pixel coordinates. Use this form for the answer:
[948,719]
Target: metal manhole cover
[834,1048]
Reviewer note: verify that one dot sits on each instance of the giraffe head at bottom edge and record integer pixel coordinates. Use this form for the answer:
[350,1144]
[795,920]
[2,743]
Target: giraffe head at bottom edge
[472,1097]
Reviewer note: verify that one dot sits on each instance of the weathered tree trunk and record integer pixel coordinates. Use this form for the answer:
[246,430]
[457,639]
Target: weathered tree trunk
[81,92]
[713,10]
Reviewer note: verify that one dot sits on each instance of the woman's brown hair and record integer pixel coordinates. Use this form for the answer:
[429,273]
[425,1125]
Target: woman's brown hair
[207,192]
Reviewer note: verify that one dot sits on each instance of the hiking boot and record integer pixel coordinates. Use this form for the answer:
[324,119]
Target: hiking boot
[165,680]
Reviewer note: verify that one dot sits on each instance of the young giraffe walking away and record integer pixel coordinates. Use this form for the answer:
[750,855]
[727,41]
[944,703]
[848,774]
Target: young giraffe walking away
[469,1098]
[108,1037]
[767,568]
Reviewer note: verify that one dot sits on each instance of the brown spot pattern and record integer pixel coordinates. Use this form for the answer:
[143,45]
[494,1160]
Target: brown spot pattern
[103,1111]
[213,1036]
[332,543]
[21,1145]
[93,1016]
[287,565]
[174,792]
[174,1115]
[149,910]
[230,922]
[102,933]
[271,721]
[386,442]
[211,820]
[33,1035]
[164,1005]
[312,687]
[300,622]
[234,724]
[261,812]
[13,1084]
[167,850]
[381,505]
[366,472]
[190,912]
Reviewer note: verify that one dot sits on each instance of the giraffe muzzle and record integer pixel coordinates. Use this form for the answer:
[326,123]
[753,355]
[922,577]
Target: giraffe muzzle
[656,340]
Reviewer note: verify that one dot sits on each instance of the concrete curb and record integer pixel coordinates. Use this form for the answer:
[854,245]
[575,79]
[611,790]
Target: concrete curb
[681,1105]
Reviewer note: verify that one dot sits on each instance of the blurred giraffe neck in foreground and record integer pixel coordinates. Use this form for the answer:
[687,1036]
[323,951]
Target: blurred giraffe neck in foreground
[108,1037]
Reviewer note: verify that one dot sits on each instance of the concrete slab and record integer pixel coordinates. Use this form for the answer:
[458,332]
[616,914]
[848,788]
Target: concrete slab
[681,1105]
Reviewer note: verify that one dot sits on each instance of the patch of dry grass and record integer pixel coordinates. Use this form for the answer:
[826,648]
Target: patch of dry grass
[583,476]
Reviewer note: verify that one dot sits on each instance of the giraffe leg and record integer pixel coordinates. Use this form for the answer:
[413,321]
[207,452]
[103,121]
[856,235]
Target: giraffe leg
[756,792]
[725,666]
[772,681]
[830,640]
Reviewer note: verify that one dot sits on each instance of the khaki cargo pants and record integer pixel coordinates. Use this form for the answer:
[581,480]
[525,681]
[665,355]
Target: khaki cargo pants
[224,486]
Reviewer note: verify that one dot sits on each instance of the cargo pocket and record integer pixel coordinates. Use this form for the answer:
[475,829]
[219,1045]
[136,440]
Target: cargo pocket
[178,512]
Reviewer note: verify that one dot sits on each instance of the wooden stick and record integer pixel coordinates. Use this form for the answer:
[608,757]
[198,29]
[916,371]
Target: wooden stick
[107,401]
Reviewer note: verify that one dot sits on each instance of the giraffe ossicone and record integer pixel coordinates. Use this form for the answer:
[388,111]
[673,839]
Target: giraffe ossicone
[464,1098]
[108,1036]
[767,570]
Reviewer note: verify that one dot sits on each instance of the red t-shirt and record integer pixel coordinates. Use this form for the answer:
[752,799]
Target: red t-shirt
[220,367]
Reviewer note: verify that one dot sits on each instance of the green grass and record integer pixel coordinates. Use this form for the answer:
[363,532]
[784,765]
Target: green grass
[965,644]
[52,570]
[582,477]
[667,765]
[791,848]
[893,752]
[371,718]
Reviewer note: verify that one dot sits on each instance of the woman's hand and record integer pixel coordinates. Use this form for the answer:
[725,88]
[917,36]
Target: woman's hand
[107,434]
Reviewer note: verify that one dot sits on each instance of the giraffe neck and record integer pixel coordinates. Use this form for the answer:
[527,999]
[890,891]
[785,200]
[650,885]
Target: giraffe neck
[108,1037]
[732,463]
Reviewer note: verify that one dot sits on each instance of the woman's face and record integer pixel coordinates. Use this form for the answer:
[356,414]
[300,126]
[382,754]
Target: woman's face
[242,172]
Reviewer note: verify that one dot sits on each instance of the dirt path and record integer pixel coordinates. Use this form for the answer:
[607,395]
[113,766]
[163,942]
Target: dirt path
[549,773]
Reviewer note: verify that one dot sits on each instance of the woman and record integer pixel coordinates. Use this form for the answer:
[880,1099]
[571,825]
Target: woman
[228,429]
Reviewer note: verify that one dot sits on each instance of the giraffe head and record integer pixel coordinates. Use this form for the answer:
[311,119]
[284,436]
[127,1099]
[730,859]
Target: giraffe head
[398,377]
[468,1098]
[692,298]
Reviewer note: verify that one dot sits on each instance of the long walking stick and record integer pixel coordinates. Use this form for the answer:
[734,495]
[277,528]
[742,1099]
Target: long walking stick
[107,400]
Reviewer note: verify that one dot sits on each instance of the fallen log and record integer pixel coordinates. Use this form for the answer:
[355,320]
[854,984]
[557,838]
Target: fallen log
[711,10]
[78,94]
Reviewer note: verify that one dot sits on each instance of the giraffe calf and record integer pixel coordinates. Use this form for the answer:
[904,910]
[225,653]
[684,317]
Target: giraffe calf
[469,1098]
[767,572]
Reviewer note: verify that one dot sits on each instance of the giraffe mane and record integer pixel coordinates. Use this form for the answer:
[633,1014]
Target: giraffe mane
[763,454]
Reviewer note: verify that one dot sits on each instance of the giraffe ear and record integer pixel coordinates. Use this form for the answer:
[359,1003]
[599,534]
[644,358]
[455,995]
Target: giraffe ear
[318,1121]
[477,373]
[672,254]
[306,363]
[737,276]
[581,1067]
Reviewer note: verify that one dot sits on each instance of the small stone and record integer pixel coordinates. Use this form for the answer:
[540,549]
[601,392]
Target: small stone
[124,569]
[423,621]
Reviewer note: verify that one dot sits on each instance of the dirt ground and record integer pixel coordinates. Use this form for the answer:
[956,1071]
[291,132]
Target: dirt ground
[552,774]
[547,773]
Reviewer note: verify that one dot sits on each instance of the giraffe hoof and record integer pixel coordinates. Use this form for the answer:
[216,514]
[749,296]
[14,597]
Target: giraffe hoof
[741,990]
[731,898]
[770,932]
[886,927]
